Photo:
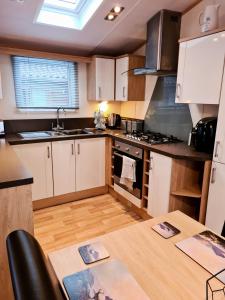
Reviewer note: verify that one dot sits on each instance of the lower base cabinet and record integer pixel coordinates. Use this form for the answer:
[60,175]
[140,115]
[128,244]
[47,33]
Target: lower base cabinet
[38,160]
[90,163]
[63,165]
[215,216]
[159,184]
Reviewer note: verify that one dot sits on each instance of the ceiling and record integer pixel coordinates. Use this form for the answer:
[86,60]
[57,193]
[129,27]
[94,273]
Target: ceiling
[99,36]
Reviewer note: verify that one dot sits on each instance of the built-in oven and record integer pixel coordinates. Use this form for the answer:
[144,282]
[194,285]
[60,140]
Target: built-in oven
[135,153]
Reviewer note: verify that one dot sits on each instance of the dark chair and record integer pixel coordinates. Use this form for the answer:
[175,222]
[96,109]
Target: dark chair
[223,231]
[31,277]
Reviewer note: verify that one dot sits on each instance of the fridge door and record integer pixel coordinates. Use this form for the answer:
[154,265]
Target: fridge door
[215,216]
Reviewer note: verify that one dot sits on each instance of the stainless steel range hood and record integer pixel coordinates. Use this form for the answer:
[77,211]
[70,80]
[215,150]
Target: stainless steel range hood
[163,32]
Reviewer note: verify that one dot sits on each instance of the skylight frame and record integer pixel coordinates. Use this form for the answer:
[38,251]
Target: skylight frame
[53,16]
[70,7]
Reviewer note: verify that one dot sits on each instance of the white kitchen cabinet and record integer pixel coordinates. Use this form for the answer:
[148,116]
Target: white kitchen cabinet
[129,86]
[37,158]
[200,69]
[90,163]
[215,216]
[63,160]
[122,66]
[159,184]
[219,149]
[101,77]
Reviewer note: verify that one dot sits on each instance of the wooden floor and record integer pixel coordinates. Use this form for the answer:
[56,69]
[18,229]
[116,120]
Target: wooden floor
[70,223]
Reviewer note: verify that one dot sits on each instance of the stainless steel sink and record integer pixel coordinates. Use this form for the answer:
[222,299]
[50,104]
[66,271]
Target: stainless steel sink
[74,131]
[39,134]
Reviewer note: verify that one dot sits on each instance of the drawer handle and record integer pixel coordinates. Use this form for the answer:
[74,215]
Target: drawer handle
[127,149]
[137,153]
[48,151]
[213,178]
[78,149]
[216,149]
[118,146]
[72,149]
[178,91]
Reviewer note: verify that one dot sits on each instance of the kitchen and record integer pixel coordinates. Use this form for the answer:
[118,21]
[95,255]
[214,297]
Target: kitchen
[74,113]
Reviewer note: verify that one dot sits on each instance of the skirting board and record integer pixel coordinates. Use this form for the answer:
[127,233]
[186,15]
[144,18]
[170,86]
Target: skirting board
[48,202]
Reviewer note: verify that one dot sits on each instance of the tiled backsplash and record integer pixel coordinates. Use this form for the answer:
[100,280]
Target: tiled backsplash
[166,116]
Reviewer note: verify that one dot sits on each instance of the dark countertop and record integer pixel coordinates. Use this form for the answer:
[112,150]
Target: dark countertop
[12,171]
[176,150]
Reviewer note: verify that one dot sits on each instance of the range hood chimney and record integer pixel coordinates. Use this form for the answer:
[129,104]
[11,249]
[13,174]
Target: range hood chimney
[163,32]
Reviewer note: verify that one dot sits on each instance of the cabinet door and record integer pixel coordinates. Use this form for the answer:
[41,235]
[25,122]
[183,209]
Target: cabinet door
[105,73]
[63,158]
[90,163]
[122,66]
[159,184]
[180,70]
[219,149]
[202,70]
[37,158]
[215,215]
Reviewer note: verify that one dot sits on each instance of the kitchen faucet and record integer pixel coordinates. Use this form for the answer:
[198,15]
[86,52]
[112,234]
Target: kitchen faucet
[58,127]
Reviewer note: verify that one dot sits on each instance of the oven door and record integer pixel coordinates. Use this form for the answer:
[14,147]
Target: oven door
[118,164]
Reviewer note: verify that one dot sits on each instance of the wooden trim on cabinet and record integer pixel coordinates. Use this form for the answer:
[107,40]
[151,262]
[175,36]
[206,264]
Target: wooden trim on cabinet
[70,197]
[43,54]
[205,191]
[185,39]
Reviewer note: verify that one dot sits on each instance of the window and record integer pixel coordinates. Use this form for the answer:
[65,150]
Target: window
[68,13]
[44,83]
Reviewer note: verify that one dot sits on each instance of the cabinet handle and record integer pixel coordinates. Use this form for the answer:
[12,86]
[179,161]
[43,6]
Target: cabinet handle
[48,148]
[151,159]
[216,149]
[213,178]
[78,149]
[72,149]
[124,89]
[178,89]
[99,92]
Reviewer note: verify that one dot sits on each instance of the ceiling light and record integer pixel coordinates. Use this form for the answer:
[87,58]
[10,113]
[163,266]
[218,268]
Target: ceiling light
[117,9]
[114,13]
[110,17]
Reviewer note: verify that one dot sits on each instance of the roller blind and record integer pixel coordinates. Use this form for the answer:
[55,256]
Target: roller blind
[45,83]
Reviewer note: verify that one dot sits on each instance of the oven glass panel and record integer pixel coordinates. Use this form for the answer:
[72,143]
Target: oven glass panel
[118,163]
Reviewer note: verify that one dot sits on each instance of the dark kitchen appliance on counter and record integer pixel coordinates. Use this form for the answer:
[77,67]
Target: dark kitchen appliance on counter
[163,33]
[203,135]
[135,153]
[114,121]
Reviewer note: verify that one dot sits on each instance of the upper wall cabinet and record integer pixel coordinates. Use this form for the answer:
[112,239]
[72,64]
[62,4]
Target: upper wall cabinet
[200,69]
[129,86]
[101,74]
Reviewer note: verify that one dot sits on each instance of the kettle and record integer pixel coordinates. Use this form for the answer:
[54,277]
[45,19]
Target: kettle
[208,19]
[114,120]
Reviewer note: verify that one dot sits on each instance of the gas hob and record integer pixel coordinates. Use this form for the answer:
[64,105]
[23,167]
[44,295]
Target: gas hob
[152,138]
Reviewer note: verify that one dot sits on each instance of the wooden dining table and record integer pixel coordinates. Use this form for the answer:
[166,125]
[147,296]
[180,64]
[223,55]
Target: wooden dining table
[159,267]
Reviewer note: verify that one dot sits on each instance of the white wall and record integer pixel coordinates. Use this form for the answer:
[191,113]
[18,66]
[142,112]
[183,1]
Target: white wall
[8,108]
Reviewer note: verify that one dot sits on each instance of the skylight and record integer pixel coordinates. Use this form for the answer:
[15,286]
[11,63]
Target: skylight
[68,13]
